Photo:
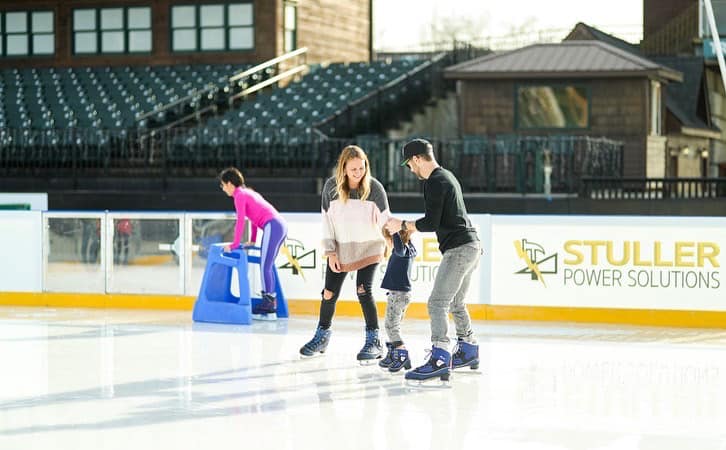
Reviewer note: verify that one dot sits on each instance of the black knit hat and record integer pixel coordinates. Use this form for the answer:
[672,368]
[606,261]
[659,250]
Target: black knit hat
[415,147]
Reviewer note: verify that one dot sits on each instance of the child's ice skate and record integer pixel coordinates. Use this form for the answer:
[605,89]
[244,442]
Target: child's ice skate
[400,360]
[437,367]
[317,344]
[266,309]
[371,350]
[388,359]
[465,355]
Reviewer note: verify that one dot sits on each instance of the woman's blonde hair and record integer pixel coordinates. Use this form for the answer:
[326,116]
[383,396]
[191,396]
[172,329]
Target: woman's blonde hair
[341,180]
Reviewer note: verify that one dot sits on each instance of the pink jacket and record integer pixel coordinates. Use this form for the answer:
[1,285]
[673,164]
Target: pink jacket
[254,207]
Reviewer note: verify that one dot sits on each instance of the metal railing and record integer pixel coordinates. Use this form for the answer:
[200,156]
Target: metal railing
[213,96]
[382,106]
[676,36]
[608,188]
[510,41]
[242,79]
[483,164]
[504,164]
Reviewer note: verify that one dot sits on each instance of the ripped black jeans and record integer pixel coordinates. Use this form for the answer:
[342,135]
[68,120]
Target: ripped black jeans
[363,285]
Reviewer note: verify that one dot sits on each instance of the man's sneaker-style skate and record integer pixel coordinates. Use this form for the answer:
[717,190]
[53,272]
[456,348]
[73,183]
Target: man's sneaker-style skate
[266,309]
[438,366]
[388,359]
[371,349]
[465,355]
[317,344]
[400,360]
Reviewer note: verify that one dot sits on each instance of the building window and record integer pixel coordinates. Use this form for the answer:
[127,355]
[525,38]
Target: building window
[221,27]
[26,33]
[552,107]
[655,109]
[184,28]
[139,29]
[43,33]
[290,40]
[212,27]
[112,30]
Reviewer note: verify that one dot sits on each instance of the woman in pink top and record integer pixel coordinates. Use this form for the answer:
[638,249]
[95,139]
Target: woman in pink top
[264,216]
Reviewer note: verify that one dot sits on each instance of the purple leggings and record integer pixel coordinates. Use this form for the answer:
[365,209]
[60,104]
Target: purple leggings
[274,234]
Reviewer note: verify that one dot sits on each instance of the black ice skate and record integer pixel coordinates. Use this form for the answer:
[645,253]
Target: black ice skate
[371,349]
[266,309]
[386,361]
[317,344]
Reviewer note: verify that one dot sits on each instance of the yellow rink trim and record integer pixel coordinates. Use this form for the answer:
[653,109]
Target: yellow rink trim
[697,319]
[77,300]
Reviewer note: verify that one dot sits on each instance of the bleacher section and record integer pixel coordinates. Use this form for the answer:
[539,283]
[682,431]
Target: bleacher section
[287,114]
[47,103]
[98,118]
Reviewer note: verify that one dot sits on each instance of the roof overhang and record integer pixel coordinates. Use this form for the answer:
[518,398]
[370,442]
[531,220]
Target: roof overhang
[663,74]
[700,132]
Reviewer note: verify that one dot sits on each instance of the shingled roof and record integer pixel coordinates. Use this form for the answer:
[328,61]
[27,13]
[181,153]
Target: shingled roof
[583,31]
[687,100]
[569,59]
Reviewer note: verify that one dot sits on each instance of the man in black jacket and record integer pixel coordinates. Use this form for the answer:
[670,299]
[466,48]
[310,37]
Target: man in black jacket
[445,213]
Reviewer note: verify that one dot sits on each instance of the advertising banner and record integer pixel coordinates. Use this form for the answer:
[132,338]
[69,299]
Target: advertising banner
[304,243]
[609,262]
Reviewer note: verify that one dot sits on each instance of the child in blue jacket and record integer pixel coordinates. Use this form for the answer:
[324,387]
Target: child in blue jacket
[397,280]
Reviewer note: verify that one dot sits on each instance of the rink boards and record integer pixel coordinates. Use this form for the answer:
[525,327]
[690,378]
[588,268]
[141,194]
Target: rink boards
[622,269]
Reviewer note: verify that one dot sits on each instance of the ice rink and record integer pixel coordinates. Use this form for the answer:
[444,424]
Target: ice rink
[88,379]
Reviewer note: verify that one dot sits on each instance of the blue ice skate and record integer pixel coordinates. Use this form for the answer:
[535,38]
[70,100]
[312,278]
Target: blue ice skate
[438,366]
[317,344]
[400,360]
[371,348]
[388,359]
[465,355]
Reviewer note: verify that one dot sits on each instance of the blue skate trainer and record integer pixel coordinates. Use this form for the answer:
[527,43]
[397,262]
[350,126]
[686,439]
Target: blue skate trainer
[438,366]
[371,349]
[317,344]
[400,360]
[465,355]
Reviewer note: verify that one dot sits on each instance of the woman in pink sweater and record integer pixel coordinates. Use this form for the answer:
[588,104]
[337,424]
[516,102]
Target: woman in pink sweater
[264,216]
[354,210]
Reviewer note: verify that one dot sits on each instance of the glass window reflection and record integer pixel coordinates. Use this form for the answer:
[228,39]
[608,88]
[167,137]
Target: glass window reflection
[552,107]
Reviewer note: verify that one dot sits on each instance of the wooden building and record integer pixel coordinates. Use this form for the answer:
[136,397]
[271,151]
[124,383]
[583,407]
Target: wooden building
[693,140]
[67,33]
[570,88]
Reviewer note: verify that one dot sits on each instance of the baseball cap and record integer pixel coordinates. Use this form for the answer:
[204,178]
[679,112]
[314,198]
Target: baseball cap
[413,148]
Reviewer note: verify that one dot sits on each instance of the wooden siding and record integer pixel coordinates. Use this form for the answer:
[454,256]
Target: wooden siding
[334,31]
[618,110]
[659,12]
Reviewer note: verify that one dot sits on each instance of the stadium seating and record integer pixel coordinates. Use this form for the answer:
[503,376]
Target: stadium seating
[46,103]
[285,115]
[93,109]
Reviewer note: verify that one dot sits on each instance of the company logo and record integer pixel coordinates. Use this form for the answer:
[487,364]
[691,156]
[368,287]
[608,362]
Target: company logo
[537,262]
[298,257]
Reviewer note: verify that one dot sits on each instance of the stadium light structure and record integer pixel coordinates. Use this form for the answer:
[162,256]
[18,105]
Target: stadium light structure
[716,41]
